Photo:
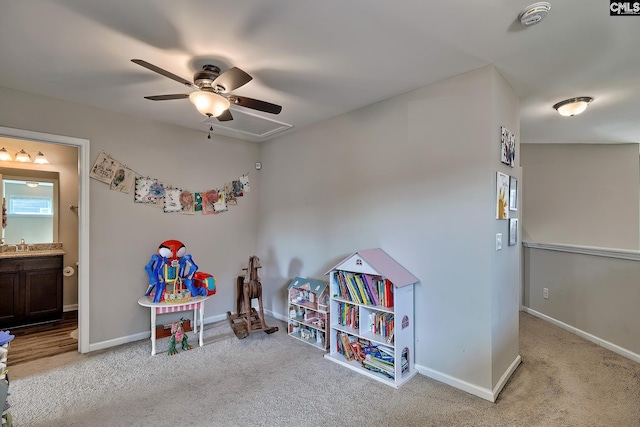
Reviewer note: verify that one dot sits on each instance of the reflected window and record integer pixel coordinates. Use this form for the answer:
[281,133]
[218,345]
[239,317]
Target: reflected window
[37,200]
[31,209]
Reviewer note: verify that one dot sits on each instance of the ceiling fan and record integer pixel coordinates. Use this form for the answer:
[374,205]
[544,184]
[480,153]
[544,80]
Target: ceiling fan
[212,96]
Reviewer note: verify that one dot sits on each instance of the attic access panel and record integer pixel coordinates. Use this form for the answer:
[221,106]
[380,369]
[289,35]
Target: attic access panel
[251,124]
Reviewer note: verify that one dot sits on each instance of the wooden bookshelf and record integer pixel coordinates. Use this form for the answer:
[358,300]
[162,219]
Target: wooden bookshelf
[308,314]
[371,317]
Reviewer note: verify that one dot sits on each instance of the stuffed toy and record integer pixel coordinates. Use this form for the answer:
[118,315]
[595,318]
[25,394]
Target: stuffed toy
[178,335]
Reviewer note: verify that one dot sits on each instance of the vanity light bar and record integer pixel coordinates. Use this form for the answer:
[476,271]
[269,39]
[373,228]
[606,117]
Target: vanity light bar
[22,156]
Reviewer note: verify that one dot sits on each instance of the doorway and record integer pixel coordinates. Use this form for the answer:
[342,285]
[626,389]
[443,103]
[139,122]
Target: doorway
[83,219]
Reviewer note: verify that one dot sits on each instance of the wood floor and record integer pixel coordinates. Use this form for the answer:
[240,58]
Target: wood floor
[39,341]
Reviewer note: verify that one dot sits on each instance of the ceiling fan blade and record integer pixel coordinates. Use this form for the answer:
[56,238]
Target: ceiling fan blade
[232,79]
[167,97]
[255,104]
[162,72]
[225,117]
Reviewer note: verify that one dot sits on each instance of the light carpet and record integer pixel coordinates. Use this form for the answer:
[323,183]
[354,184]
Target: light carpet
[276,380]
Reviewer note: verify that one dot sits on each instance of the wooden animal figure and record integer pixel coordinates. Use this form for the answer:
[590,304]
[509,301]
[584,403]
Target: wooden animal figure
[249,287]
[178,335]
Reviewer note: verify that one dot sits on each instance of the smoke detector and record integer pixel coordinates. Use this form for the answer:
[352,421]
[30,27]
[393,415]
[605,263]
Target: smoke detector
[534,13]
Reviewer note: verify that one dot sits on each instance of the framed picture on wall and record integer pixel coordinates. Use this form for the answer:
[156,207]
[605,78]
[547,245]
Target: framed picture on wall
[513,231]
[502,196]
[504,145]
[507,147]
[513,193]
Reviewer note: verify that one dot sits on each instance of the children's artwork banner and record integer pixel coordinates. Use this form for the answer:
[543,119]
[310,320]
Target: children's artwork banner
[157,193]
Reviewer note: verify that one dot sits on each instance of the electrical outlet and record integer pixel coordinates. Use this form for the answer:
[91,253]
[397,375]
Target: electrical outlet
[545,293]
[498,241]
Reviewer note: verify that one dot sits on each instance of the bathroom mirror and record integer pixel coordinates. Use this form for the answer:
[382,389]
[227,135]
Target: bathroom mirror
[30,206]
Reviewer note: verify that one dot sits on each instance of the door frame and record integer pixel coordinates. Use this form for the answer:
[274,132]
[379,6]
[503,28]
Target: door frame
[83,220]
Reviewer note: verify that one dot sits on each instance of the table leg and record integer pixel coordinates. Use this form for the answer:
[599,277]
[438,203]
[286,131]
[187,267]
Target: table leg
[195,320]
[201,305]
[153,331]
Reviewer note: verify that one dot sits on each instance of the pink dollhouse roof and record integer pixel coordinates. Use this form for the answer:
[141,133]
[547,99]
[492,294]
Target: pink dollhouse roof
[383,264]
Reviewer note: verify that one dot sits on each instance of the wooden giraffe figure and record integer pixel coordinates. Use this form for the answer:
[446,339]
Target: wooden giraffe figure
[248,287]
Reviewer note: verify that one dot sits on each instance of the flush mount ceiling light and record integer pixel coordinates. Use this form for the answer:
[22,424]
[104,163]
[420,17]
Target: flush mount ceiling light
[209,103]
[534,13]
[573,106]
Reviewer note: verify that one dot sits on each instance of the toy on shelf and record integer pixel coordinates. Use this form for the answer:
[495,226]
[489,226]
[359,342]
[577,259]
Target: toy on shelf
[248,287]
[174,277]
[178,336]
[5,339]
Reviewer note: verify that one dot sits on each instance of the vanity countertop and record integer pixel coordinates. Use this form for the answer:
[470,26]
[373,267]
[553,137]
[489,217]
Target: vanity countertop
[32,250]
[26,254]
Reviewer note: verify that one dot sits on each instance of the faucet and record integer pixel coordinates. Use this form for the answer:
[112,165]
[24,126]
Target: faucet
[22,246]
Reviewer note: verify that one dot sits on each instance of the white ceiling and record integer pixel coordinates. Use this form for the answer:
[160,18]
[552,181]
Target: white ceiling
[324,58]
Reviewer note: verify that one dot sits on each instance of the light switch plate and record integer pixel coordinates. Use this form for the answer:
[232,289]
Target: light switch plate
[498,241]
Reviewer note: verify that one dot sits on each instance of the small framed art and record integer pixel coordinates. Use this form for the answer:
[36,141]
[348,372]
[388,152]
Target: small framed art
[507,147]
[502,195]
[513,231]
[513,193]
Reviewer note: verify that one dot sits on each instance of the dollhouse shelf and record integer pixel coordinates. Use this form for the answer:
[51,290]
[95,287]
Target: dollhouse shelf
[371,317]
[308,311]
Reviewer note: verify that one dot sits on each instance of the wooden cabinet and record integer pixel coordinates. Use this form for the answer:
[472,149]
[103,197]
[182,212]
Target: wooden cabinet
[30,290]
[309,311]
[372,330]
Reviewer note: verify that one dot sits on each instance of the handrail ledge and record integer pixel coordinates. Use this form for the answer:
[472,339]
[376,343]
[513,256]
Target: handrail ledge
[586,250]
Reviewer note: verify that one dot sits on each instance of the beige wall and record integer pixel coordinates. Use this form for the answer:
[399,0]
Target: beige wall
[581,194]
[594,294]
[123,234]
[414,175]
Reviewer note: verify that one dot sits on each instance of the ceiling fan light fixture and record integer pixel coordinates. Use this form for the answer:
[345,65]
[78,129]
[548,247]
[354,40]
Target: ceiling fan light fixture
[573,106]
[209,103]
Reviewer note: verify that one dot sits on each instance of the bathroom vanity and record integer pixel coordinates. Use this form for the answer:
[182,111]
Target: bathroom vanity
[30,285]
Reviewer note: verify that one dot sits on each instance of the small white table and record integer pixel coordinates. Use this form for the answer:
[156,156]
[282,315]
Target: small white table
[195,303]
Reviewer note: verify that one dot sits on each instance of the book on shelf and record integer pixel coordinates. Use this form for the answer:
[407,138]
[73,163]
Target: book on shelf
[364,295]
[380,366]
[367,283]
[358,352]
[390,337]
[349,315]
[343,291]
[346,346]
[353,286]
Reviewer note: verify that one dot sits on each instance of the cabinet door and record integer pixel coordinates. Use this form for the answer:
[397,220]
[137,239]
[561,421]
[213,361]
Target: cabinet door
[43,294]
[9,298]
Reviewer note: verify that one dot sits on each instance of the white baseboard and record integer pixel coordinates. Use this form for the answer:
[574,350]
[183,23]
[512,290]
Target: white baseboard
[579,332]
[147,334]
[275,315]
[70,307]
[483,392]
[505,377]
[118,341]
[142,335]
